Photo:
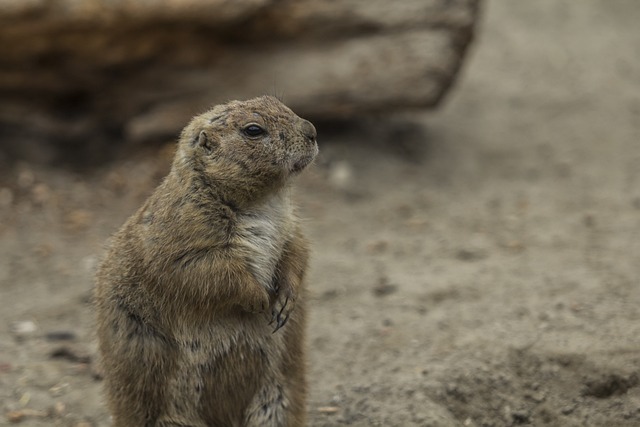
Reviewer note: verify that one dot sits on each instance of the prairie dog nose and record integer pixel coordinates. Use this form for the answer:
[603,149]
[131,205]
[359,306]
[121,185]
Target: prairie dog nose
[308,130]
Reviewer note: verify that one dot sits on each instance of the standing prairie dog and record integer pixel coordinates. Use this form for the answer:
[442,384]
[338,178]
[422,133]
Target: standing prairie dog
[200,299]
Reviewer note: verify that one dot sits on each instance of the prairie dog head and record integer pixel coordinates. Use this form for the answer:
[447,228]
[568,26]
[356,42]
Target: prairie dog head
[250,145]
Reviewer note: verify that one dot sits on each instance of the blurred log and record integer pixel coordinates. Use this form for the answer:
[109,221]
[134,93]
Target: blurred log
[85,70]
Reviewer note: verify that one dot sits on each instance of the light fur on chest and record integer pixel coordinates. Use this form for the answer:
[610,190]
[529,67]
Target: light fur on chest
[262,233]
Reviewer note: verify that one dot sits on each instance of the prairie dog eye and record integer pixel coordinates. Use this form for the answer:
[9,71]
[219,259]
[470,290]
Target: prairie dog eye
[253,130]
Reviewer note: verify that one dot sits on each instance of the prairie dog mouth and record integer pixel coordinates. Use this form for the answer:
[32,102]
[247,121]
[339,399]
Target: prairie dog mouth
[302,163]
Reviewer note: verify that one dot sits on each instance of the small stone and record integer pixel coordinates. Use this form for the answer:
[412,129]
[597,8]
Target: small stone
[60,336]
[384,288]
[328,409]
[71,354]
[341,175]
[80,369]
[336,398]
[15,416]
[520,416]
[537,397]
[59,408]
[23,329]
[471,254]
[330,294]
[59,389]
[20,415]
[25,399]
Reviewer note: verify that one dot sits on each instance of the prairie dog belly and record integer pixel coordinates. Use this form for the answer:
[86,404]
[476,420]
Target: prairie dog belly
[207,368]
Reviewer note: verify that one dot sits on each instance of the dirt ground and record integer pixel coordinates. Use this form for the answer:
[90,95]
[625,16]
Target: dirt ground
[479,266]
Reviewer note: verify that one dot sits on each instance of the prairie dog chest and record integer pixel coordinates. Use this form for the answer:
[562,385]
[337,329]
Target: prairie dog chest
[262,233]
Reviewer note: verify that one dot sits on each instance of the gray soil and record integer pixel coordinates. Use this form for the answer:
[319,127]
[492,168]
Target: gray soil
[479,266]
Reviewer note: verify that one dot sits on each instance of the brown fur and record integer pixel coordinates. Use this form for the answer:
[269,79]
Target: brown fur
[196,282]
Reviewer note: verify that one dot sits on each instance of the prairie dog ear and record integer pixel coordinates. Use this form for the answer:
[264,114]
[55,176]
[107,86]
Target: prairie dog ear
[206,142]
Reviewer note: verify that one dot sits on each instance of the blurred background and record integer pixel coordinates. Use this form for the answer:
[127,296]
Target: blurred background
[80,77]
[474,211]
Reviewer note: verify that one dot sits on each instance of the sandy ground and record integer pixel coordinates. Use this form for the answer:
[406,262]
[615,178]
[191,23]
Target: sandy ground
[478,267]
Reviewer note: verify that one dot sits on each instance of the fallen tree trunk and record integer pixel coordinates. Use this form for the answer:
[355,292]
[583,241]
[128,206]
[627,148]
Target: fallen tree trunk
[75,71]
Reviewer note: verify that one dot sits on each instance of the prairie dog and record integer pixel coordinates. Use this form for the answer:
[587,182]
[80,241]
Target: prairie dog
[200,299]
